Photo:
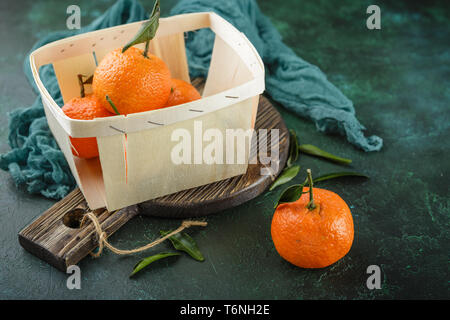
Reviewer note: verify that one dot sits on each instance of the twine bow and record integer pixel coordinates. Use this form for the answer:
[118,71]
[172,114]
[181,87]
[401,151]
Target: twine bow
[102,236]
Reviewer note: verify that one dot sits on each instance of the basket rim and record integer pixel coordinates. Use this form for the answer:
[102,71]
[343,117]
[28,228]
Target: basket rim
[121,124]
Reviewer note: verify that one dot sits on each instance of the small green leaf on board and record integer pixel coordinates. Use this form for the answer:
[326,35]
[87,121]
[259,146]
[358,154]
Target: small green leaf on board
[145,262]
[183,242]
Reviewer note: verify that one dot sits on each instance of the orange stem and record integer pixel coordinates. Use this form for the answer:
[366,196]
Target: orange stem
[146,48]
[311,205]
[80,82]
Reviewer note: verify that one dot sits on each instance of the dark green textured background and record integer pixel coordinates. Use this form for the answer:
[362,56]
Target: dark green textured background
[397,78]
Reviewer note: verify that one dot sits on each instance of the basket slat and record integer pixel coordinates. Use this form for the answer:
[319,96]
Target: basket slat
[149,164]
[172,50]
[63,141]
[226,70]
[67,70]
[112,158]
[91,179]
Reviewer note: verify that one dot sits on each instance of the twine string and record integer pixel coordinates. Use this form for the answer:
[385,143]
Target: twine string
[102,236]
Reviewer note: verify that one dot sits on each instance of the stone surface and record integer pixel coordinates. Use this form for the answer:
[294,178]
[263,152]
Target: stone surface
[396,78]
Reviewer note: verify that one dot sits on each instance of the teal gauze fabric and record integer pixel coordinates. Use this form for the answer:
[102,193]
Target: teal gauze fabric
[36,162]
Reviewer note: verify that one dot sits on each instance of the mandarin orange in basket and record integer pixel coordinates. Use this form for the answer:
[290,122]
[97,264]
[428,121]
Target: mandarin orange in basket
[181,92]
[86,108]
[315,231]
[133,82]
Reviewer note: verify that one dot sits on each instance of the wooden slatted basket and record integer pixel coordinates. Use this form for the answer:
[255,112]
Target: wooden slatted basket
[135,150]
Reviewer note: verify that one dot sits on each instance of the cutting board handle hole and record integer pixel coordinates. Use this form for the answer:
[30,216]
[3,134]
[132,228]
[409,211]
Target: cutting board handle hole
[72,219]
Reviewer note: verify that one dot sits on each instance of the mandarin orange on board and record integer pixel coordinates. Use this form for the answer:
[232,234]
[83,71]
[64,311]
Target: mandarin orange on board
[134,83]
[316,237]
[86,108]
[182,92]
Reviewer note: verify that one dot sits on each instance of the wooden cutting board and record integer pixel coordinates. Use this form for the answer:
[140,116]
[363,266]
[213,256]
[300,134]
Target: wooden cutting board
[56,237]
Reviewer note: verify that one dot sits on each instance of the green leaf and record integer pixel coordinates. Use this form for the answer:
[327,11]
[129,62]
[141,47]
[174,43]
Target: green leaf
[287,175]
[183,242]
[293,148]
[145,262]
[148,29]
[291,194]
[335,175]
[112,104]
[314,151]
